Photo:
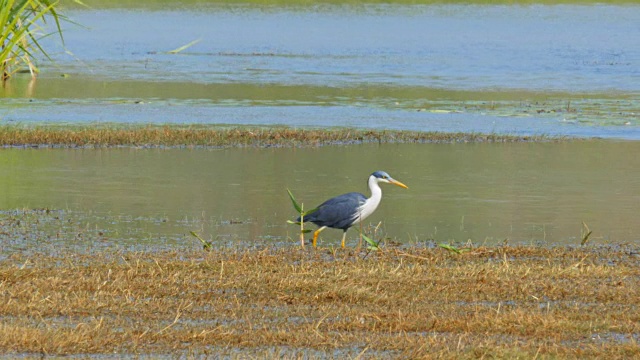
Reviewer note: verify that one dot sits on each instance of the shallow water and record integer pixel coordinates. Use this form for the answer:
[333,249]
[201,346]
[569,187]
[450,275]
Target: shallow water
[489,193]
[535,69]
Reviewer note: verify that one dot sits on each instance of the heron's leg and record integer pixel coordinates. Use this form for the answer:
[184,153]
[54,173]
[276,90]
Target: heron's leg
[315,235]
[344,236]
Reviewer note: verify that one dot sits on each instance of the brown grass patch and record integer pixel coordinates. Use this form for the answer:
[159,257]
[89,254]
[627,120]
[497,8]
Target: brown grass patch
[506,302]
[216,136]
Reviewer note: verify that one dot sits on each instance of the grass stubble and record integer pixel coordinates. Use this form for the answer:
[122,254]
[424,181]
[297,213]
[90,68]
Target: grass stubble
[410,302]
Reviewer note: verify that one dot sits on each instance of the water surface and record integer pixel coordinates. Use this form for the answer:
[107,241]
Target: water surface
[535,69]
[489,193]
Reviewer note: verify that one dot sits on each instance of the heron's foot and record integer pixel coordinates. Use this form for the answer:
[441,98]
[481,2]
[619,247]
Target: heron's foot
[315,235]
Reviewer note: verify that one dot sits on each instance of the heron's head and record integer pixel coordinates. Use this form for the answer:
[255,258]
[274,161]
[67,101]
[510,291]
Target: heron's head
[381,176]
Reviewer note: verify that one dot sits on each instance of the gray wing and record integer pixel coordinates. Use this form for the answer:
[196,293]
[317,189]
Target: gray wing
[338,212]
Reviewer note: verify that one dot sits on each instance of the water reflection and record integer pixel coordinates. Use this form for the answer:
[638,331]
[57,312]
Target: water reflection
[537,193]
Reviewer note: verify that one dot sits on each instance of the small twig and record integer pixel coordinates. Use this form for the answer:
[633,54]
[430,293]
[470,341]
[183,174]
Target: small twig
[413,256]
[179,311]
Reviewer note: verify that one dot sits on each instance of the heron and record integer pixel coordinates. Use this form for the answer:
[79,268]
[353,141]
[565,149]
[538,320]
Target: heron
[346,210]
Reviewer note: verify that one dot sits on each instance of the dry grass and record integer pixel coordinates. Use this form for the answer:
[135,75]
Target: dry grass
[506,302]
[214,136]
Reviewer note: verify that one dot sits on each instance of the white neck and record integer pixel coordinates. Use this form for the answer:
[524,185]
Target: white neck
[376,191]
[371,204]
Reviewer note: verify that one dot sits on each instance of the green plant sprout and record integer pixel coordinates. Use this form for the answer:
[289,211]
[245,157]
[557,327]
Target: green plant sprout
[585,232]
[372,245]
[300,209]
[454,249]
[206,245]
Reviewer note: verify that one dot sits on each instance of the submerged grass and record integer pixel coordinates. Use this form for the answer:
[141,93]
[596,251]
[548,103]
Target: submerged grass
[507,302]
[218,136]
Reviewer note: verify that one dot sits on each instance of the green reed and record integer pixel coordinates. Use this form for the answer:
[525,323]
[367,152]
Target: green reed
[21,29]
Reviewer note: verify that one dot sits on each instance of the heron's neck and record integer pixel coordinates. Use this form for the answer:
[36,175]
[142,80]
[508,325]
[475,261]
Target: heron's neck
[376,191]
[371,204]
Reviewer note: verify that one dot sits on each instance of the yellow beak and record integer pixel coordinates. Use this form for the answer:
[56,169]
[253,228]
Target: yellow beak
[398,183]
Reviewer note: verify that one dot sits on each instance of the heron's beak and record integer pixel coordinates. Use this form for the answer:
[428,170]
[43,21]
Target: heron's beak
[396,182]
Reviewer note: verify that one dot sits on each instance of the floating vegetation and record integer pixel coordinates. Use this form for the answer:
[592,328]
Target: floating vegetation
[219,136]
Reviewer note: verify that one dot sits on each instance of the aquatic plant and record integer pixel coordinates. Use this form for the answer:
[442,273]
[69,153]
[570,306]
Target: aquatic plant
[372,245]
[20,31]
[454,249]
[300,209]
[585,233]
[206,245]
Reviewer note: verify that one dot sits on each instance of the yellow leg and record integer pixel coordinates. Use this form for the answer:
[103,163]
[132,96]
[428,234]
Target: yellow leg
[315,235]
[344,236]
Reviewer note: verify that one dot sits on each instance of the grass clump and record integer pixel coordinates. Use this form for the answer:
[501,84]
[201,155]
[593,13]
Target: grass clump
[219,136]
[505,302]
